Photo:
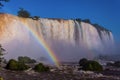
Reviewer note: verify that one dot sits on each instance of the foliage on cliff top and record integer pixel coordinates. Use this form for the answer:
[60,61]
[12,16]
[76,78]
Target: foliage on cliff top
[23,13]
[1,4]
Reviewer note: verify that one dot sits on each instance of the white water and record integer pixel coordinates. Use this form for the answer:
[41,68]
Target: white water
[70,39]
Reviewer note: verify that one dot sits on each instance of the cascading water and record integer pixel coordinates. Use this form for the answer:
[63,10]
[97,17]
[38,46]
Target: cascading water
[17,39]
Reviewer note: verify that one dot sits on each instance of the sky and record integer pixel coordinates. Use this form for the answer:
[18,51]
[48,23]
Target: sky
[103,12]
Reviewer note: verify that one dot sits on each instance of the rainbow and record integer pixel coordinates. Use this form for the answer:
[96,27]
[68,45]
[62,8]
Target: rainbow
[43,43]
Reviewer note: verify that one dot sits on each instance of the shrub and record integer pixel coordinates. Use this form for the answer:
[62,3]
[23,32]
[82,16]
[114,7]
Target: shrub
[25,59]
[89,65]
[41,68]
[15,65]
[12,65]
[22,66]
[92,66]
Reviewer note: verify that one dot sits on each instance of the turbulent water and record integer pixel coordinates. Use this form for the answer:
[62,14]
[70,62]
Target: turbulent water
[70,39]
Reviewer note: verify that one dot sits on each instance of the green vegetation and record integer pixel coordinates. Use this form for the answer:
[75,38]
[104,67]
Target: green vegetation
[12,65]
[15,65]
[41,68]
[23,13]
[2,50]
[1,4]
[89,65]
[22,66]
[25,59]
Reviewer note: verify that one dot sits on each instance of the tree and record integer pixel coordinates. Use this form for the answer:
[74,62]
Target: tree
[23,13]
[2,50]
[1,4]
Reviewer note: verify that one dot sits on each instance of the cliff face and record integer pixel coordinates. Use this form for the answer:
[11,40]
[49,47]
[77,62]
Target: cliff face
[74,32]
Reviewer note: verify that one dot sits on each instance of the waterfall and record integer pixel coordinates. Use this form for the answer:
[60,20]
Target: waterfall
[13,31]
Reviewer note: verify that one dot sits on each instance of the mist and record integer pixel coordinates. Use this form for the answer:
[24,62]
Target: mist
[32,49]
[68,52]
[64,51]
